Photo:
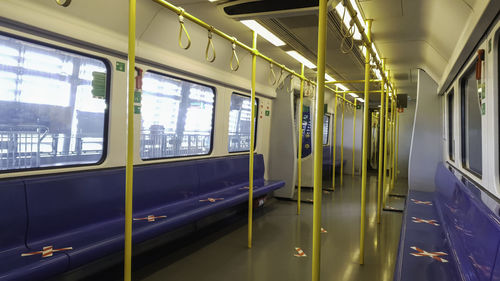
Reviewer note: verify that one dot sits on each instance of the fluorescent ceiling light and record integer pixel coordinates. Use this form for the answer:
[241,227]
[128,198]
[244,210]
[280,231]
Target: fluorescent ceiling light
[376,52]
[360,99]
[353,95]
[329,78]
[377,73]
[344,88]
[262,31]
[301,59]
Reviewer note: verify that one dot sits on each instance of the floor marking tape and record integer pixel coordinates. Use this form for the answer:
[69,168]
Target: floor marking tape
[211,200]
[300,253]
[149,218]
[47,251]
[432,255]
[428,203]
[419,220]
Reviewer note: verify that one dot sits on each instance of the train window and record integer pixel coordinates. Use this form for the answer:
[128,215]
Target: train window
[177,117]
[326,126]
[451,142]
[471,124]
[239,123]
[53,106]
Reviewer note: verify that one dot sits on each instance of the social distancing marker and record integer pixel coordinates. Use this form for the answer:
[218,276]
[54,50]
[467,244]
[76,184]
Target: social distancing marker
[150,218]
[419,220]
[429,203]
[433,255]
[300,253]
[323,230]
[211,200]
[47,251]
[245,188]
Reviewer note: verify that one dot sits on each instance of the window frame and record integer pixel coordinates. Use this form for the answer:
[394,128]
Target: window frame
[450,115]
[109,73]
[212,132]
[463,136]
[256,122]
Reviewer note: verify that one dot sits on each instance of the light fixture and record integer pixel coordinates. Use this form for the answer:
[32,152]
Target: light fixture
[262,31]
[301,59]
[344,88]
[377,73]
[353,95]
[360,99]
[329,78]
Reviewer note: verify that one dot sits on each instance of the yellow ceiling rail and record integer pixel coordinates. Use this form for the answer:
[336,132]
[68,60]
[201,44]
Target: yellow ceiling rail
[353,81]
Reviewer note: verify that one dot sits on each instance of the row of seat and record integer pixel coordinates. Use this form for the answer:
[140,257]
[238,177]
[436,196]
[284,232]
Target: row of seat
[51,224]
[449,234]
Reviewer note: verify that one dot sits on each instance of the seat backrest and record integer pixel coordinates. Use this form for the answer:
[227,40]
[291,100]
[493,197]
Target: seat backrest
[64,202]
[473,229]
[13,217]
[219,173]
[161,184]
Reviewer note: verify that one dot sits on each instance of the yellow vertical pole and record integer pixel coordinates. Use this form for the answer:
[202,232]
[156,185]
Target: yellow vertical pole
[334,142]
[354,137]
[129,169]
[380,149]
[366,127]
[318,140]
[393,137]
[387,124]
[252,141]
[397,143]
[342,145]
[299,162]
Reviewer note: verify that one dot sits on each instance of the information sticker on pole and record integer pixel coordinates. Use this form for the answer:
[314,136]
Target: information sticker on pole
[138,90]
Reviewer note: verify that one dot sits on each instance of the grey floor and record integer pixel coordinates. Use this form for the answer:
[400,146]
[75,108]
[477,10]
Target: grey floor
[223,255]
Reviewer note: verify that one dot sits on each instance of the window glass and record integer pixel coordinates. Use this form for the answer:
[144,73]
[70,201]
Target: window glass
[471,124]
[239,123]
[52,106]
[326,125]
[451,142]
[177,117]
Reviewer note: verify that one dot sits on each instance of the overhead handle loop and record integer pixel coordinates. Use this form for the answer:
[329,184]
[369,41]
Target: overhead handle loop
[234,57]
[289,87]
[281,83]
[272,77]
[210,45]
[183,29]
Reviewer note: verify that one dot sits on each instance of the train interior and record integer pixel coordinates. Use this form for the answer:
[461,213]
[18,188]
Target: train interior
[250,140]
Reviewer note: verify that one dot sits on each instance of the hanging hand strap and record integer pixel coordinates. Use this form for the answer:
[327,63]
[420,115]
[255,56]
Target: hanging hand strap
[234,57]
[183,30]
[272,77]
[281,83]
[210,45]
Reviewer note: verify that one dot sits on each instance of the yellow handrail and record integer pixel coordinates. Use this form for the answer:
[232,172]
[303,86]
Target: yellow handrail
[381,151]
[299,161]
[353,138]
[342,147]
[129,169]
[252,142]
[334,142]
[365,147]
[397,144]
[231,39]
[352,81]
[318,140]
[384,172]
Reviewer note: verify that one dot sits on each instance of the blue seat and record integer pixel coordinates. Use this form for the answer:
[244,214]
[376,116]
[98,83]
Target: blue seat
[468,232]
[14,221]
[85,210]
